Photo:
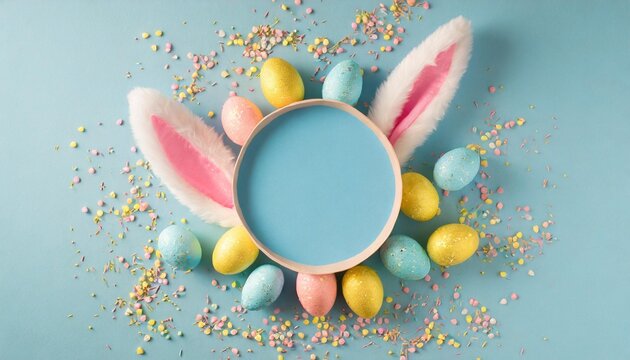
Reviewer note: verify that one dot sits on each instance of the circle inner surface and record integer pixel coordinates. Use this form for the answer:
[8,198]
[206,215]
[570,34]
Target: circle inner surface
[316,186]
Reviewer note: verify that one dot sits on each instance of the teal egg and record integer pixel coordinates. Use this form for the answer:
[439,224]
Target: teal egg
[456,169]
[344,83]
[405,258]
[179,247]
[262,287]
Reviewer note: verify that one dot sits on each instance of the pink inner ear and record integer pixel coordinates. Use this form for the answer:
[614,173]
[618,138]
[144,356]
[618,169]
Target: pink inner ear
[197,170]
[425,88]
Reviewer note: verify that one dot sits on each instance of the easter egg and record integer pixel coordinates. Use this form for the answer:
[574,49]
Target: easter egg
[344,83]
[317,293]
[363,291]
[420,200]
[179,247]
[405,258]
[262,287]
[452,244]
[235,251]
[239,116]
[281,84]
[456,169]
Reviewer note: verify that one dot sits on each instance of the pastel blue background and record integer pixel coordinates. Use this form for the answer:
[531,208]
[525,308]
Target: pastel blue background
[63,65]
[316,179]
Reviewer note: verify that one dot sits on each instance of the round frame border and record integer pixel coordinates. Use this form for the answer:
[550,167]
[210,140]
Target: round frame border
[387,228]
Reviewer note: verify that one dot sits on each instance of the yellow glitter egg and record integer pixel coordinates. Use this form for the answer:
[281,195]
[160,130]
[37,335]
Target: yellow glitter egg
[420,200]
[235,251]
[452,244]
[281,83]
[363,291]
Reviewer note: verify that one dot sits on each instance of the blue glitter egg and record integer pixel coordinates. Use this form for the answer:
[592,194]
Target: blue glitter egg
[344,83]
[179,247]
[262,287]
[405,258]
[456,169]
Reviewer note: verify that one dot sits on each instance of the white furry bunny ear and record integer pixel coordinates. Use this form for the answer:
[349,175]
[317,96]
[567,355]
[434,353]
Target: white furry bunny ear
[409,104]
[188,156]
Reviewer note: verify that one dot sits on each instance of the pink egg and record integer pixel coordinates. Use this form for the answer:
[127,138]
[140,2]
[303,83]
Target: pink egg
[317,293]
[239,116]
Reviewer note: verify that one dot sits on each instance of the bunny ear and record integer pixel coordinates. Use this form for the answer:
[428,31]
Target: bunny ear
[188,156]
[409,104]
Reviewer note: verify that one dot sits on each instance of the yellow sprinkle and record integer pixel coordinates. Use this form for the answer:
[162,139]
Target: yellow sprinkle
[284,7]
[521,261]
[183,221]
[342,318]
[159,33]
[234,284]
[503,274]
[139,351]
[324,340]
[306,322]
[145,35]
[389,299]
[280,357]
[520,121]
[301,335]
[161,327]
[483,309]
[225,74]
[210,114]
[515,245]
[364,332]
[456,345]
[81,129]
[259,337]
[154,48]
[225,332]
[100,213]
[488,201]
[535,228]
[468,319]
[519,234]
[73,144]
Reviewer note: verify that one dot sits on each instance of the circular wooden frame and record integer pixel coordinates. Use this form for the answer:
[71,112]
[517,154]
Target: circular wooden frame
[387,228]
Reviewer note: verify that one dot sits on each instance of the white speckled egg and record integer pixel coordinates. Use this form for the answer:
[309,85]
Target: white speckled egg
[262,287]
[456,169]
[344,83]
[405,258]
[179,247]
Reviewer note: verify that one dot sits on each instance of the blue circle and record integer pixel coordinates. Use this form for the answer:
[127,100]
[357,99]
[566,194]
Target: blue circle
[316,185]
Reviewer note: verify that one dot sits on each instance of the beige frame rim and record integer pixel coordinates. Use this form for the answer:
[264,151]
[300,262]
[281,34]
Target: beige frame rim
[387,228]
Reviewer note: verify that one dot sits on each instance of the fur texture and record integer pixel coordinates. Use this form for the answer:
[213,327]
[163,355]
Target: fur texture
[144,103]
[394,92]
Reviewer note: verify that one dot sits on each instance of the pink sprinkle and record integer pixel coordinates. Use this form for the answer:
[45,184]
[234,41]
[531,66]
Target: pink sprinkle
[100,203]
[500,190]
[435,287]
[405,290]
[492,89]
[374,68]
[309,10]
[239,70]
[454,321]
[120,122]
[232,93]
[427,278]
[134,149]
[174,86]
[514,296]
[456,295]
[446,275]
[298,2]
[235,351]
[94,152]
[499,205]
[92,170]
[234,84]
[76,179]
[426,5]
[85,210]
[503,301]
[354,26]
